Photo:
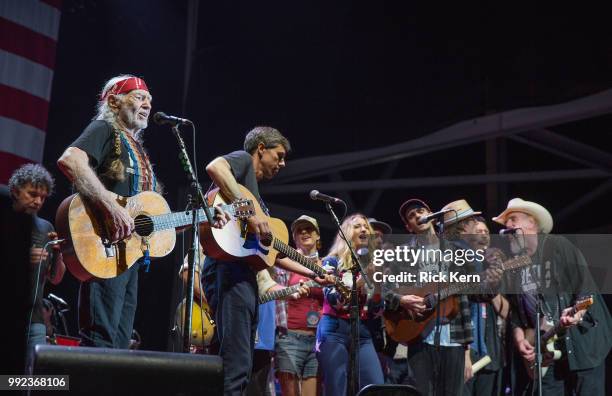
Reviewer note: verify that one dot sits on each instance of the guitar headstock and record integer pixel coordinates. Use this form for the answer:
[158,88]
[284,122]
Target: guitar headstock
[243,208]
[583,303]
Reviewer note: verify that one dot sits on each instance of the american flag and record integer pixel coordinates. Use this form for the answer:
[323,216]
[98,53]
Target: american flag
[28,39]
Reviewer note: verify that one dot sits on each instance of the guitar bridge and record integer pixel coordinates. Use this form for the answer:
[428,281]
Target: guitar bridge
[109,249]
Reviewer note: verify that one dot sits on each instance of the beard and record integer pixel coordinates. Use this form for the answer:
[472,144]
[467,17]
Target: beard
[131,120]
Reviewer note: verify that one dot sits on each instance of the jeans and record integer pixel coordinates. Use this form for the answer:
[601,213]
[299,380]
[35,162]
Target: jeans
[107,308]
[36,336]
[231,290]
[333,343]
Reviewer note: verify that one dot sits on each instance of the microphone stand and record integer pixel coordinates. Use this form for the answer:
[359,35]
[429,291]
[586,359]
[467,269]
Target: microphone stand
[437,369]
[538,310]
[193,252]
[353,370]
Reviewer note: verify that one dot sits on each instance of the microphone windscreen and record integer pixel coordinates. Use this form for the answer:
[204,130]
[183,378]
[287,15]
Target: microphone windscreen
[159,117]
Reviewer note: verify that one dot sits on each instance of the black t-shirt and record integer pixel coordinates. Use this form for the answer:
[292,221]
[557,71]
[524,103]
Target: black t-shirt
[241,164]
[40,230]
[98,141]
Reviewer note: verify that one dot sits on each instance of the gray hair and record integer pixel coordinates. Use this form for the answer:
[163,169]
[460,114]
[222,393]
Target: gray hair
[269,136]
[104,112]
[34,174]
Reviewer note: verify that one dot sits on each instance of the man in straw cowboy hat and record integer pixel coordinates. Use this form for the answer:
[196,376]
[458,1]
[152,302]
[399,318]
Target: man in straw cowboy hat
[557,278]
[462,222]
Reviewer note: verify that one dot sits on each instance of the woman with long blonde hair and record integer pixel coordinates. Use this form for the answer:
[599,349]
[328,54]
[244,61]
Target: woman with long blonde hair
[333,333]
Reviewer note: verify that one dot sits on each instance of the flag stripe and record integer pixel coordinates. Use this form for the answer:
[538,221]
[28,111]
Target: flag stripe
[21,139]
[23,107]
[34,15]
[23,74]
[24,42]
[9,162]
[28,45]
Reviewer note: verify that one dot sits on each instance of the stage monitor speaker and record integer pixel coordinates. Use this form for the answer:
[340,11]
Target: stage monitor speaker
[120,371]
[389,390]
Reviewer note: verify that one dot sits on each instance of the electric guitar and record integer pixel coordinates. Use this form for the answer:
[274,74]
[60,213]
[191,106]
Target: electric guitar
[287,291]
[235,242]
[548,338]
[89,254]
[404,328]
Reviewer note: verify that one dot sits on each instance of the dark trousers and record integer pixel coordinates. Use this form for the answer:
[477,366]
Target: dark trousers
[262,364]
[559,380]
[231,290]
[107,309]
[485,382]
[400,373]
[423,359]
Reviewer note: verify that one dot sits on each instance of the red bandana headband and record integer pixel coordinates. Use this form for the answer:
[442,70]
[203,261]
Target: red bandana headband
[125,86]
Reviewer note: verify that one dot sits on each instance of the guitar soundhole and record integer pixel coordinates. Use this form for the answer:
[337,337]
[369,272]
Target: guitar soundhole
[144,225]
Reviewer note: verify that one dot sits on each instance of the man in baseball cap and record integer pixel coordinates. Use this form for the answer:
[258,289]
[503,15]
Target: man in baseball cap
[411,211]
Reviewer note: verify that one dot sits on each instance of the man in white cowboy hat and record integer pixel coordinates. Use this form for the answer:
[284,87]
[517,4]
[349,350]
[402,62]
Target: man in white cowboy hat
[557,278]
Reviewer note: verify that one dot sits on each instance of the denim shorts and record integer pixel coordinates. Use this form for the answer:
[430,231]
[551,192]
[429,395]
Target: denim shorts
[295,354]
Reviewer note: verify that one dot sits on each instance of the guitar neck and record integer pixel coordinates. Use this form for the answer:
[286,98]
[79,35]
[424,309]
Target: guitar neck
[462,288]
[298,257]
[287,291]
[556,329]
[180,219]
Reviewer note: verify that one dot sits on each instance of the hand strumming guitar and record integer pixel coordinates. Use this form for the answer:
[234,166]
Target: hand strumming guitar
[259,225]
[414,305]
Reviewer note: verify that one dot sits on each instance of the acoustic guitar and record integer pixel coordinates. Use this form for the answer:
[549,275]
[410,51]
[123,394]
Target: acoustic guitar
[548,337]
[403,328]
[235,242]
[89,253]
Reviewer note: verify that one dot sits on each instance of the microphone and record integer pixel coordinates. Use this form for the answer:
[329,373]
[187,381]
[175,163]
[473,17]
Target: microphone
[57,300]
[430,217]
[162,118]
[317,196]
[363,251]
[508,231]
[56,241]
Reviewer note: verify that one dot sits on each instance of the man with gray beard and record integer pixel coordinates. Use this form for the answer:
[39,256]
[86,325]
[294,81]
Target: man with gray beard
[107,160]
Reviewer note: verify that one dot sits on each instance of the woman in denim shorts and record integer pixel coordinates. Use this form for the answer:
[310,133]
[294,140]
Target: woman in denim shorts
[296,363]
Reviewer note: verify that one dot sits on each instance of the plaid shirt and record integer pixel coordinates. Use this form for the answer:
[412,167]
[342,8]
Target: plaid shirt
[282,278]
[461,327]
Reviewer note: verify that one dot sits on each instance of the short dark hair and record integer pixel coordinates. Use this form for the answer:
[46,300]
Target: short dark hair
[269,136]
[35,174]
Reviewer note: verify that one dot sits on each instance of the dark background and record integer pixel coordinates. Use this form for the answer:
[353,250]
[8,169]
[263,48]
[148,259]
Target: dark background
[333,77]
